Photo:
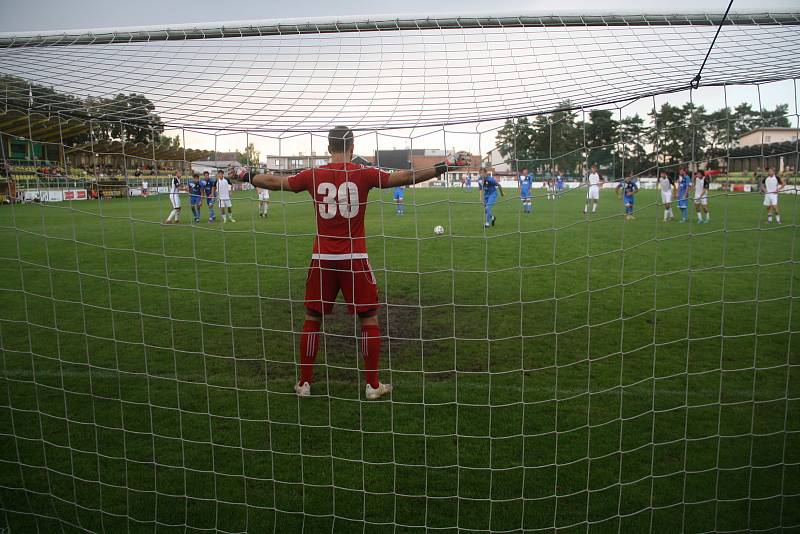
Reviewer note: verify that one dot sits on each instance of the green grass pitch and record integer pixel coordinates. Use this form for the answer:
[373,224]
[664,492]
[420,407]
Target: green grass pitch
[551,373]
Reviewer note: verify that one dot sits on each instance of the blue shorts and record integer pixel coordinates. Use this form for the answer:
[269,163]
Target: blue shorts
[210,201]
[195,200]
[398,195]
[628,201]
[524,195]
[683,202]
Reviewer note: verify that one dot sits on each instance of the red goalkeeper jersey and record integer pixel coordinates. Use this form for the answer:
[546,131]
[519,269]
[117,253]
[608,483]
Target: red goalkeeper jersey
[340,193]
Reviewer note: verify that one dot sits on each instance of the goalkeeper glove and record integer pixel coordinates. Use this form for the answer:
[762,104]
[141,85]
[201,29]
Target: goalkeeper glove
[241,173]
[441,168]
[450,164]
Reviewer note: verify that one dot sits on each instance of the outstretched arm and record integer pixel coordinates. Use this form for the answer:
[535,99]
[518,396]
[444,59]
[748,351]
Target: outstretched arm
[273,182]
[278,182]
[411,176]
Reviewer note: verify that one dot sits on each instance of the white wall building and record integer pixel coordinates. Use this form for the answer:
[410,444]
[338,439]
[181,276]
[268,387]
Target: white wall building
[295,162]
[497,162]
[767,136]
[212,166]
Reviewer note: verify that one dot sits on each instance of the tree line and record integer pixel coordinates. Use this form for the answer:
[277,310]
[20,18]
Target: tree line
[131,117]
[124,117]
[567,139]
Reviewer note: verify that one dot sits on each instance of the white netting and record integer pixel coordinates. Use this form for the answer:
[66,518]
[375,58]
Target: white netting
[557,371]
[404,77]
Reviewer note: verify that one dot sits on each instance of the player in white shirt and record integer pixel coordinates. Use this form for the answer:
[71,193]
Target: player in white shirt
[263,201]
[771,186]
[551,188]
[701,197]
[593,190]
[667,187]
[144,188]
[224,196]
[175,199]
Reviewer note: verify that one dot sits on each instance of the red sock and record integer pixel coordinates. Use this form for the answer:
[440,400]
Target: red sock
[371,351]
[309,343]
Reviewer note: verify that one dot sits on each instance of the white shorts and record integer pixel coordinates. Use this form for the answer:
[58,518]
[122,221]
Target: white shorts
[175,198]
[771,199]
[701,201]
[666,197]
[224,203]
[263,196]
[593,193]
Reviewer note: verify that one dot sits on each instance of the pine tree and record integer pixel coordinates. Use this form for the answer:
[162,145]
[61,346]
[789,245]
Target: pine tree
[514,141]
[631,147]
[602,131]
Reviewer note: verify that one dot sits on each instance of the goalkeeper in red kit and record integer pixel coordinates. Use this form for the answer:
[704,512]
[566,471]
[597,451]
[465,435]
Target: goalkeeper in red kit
[339,260]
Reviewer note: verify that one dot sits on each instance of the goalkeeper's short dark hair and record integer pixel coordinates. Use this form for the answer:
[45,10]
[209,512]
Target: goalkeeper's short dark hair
[340,139]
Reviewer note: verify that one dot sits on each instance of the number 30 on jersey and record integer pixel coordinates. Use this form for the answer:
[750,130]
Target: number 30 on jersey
[343,199]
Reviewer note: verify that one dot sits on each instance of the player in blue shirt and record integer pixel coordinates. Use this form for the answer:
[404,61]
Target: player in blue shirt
[195,190]
[629,189]
[559,180]
[489,188]
[684,185]
[210,191]
[525,181]
[399,191]
[469,182]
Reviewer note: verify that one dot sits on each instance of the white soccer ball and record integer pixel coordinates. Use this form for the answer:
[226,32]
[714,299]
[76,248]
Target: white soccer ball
[438,230]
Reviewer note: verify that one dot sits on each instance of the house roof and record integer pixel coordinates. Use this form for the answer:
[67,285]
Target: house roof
[366,159]
[770,129]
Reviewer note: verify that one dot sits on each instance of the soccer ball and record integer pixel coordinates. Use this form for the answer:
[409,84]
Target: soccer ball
[438,230]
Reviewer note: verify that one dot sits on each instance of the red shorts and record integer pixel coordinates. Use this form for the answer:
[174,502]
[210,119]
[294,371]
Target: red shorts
[353,277]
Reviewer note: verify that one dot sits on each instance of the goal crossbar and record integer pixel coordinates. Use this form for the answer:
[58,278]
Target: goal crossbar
[324,25]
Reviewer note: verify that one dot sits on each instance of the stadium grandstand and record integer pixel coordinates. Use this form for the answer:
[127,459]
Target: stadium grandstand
[46,150]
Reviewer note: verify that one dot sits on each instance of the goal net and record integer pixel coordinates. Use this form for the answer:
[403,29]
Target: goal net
[608,341]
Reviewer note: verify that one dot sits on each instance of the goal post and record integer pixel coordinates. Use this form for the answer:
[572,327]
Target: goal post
[604,342]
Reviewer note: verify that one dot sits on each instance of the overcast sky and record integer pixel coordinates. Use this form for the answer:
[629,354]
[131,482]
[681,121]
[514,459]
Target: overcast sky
[47,15]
